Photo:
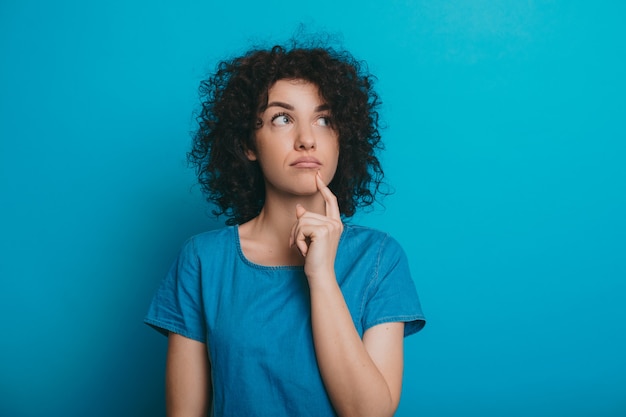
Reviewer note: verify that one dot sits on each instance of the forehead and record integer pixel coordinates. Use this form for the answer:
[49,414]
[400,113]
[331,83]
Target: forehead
[297,90]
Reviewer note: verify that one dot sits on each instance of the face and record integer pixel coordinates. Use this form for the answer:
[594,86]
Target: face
[296,139]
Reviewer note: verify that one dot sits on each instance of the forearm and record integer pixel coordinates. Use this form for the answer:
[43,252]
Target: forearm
[354,383]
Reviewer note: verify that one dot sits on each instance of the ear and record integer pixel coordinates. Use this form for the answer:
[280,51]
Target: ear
[250,155]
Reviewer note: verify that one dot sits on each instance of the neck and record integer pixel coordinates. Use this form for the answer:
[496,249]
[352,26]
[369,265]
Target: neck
[278,215]
[265,238]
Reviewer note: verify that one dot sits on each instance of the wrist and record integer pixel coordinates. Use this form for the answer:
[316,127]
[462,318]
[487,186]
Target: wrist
[322,280]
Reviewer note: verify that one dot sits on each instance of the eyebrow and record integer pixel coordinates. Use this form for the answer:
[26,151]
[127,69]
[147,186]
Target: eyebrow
[321,107]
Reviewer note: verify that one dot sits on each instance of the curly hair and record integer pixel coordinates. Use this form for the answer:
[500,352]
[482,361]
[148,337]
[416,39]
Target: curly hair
[231,102]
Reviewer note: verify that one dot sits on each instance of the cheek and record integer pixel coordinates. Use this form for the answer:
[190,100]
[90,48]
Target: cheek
[337,148]
[335,159]
[271,153]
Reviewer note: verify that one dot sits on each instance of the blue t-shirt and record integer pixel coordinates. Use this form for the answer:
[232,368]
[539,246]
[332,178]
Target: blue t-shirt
[256,319]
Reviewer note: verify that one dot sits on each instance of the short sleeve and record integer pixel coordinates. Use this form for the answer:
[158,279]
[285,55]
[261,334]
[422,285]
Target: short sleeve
[391,296]
[177,305]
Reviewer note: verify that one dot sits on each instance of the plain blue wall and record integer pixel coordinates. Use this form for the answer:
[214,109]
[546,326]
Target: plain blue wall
[506,148]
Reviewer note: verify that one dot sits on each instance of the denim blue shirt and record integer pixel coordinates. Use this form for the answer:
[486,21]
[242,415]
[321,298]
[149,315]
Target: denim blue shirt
[256,319]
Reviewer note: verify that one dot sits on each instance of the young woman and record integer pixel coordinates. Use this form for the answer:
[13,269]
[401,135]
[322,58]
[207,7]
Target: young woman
[288,311]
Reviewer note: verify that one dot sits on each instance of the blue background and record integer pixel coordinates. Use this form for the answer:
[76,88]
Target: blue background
[505,146]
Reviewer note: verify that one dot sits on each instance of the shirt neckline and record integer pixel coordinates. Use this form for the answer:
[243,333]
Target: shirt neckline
[245,260]
[248,262]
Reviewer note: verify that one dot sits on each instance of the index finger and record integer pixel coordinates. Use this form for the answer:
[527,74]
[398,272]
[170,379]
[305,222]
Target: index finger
[332,208]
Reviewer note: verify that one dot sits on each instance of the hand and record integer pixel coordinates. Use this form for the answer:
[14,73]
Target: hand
[317,236]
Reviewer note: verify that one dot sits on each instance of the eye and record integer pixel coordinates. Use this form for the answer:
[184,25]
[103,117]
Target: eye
[281,119]
[324,121]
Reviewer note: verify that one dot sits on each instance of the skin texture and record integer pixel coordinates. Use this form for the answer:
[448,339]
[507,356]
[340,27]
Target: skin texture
[300,224]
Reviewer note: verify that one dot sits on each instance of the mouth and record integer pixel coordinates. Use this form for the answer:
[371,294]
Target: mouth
[306,162]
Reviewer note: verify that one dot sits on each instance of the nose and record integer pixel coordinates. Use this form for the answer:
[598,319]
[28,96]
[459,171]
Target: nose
[305,138]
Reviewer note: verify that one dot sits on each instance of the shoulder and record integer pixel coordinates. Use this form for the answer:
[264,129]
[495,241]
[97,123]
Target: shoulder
[216,237]
[210,241]
[376,246]
[362,236]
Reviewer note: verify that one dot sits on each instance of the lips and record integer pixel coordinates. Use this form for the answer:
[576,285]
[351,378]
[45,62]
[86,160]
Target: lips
[306,162]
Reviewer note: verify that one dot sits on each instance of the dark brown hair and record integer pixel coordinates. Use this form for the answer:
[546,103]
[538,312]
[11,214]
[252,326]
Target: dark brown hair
[231,99]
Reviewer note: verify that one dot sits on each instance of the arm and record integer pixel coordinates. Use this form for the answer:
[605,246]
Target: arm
[187,380]
[362,377]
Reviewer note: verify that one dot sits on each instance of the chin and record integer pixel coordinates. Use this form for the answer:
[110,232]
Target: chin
[307,184]
[306,192]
